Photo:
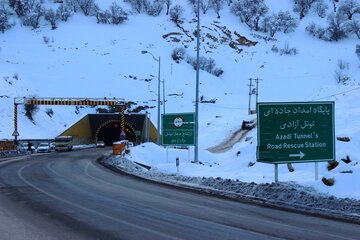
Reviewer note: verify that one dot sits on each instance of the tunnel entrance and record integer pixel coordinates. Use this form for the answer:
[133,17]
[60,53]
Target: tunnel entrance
[107,127]
[110,131]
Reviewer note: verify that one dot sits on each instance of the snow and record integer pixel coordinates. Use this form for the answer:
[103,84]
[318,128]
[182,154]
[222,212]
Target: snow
[288,195]
[85,59]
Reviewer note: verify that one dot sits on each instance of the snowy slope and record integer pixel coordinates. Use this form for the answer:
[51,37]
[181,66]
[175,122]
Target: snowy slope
[85,59]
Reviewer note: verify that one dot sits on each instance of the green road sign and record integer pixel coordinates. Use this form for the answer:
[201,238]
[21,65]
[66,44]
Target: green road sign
[178,129]
[295,132]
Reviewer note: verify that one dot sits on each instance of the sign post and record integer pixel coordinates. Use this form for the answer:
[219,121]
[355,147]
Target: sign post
[295,132]
[178,129]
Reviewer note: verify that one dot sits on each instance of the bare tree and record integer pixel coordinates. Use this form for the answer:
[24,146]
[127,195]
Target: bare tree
[302,7]
[103,16]
[168,4]
[349,8]
[178,54]
[337,26]
[218,4]
[353,27]
[136,5]
[153,8]
[23,7]
[320,7]
[72,4]
[52,17]
[335,3]
[4,19]
[87,6]
[118,15]
[282,21]
[175,13]
[250,12]
[64,12]
[32,19]
[192,2]
[205,5]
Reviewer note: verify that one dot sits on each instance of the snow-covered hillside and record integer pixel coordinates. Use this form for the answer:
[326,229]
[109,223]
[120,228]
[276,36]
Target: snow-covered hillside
[84,59]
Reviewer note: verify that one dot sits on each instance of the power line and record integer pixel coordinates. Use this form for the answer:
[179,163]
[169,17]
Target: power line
[226,107]
[334,95]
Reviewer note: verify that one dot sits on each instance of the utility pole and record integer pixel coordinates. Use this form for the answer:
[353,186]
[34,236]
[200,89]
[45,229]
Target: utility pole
[250,92]
[158,95]
[253,91]
[257,89]
[158,110]
[163,96]
[196,151]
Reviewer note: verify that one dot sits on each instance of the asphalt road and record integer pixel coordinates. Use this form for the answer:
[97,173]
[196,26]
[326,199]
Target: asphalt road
[70,196]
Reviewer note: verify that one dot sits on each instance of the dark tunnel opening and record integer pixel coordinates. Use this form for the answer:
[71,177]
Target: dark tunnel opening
[110,133]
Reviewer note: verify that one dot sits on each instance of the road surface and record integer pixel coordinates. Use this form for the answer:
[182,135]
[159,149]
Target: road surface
[70,196]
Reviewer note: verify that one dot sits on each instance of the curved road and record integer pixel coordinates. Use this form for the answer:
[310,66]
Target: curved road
[70,196]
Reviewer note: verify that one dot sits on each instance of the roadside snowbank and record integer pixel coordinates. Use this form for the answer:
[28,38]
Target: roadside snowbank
[288,195]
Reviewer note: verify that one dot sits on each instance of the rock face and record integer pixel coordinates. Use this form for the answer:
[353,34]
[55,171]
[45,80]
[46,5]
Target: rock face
[332,164]
[328,181]
[343,139]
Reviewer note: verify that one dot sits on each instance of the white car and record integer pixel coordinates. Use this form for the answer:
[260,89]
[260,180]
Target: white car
[23,147]
[100,144]
[44,148]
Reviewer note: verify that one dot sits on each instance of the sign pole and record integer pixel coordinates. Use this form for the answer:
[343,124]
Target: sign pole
[276,173]
[167,154]
[177,165]
[189,154]
[316,171]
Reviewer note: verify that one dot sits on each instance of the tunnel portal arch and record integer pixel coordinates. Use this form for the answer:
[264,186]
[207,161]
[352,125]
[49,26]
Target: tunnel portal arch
[110,130]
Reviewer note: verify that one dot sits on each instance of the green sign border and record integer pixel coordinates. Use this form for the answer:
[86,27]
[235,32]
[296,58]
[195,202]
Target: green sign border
[189,141]
[274,152]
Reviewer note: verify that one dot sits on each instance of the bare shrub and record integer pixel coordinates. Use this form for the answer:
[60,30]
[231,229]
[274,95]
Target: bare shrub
[176,13]
[4,20]
[178,54]
[287,50]
[153,8]
[341,72]
[103,17]
[206,64]
[51,17]
[30,110]
[46,39]
[275,49]
[118,15]
[64,12]
[49,112]
[87,6]
[32,20]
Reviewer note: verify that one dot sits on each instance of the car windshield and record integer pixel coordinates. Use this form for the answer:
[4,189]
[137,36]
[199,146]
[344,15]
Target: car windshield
[43,145]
